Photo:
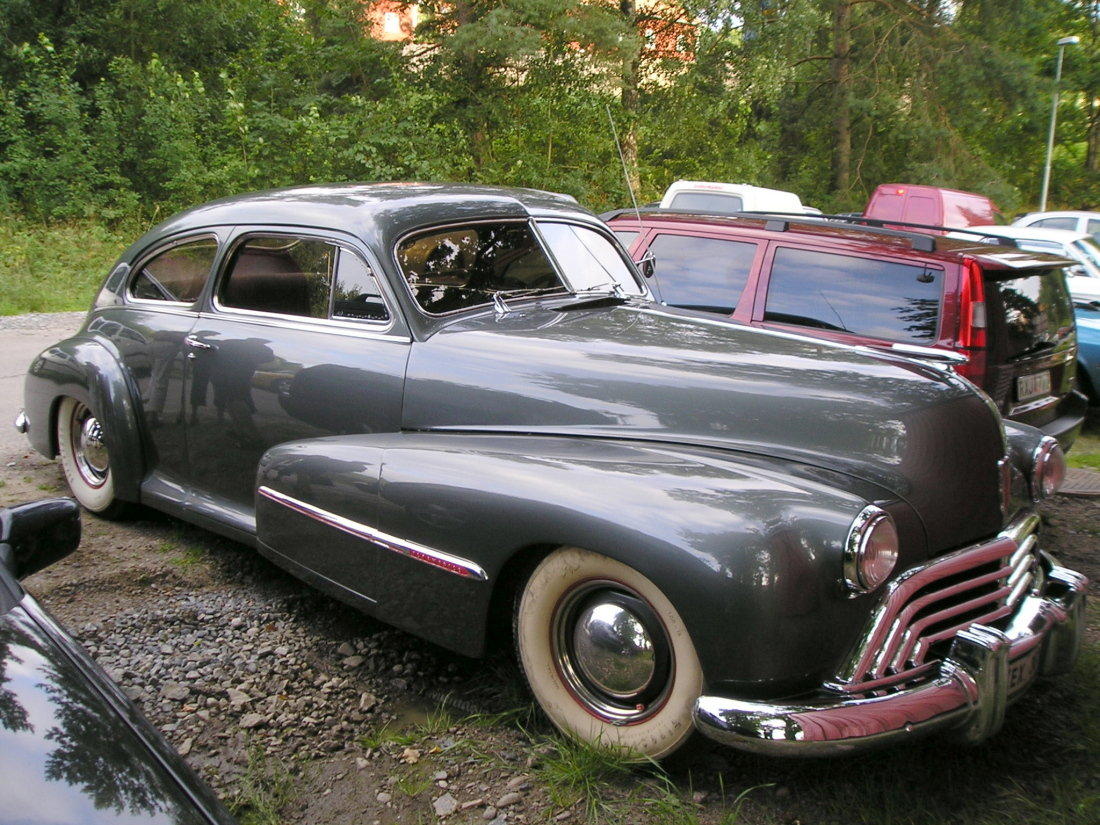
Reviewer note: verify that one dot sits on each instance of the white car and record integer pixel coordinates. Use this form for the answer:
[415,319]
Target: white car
[1083,279]
[715,197]
[1088,222]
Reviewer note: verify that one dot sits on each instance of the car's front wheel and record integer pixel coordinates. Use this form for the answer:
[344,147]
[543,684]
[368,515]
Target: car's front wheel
[85,459]
[606,654]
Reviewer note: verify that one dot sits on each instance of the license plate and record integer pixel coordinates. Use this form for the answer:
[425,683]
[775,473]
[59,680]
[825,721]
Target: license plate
[1022,671]
[1032,386]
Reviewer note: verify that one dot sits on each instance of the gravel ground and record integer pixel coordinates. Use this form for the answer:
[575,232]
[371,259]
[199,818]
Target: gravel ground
[298,709]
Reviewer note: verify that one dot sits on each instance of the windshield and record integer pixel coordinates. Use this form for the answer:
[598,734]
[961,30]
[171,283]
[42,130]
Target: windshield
[588,259]
[460,267]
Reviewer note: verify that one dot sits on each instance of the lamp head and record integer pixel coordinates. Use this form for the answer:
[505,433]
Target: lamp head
[1072,40]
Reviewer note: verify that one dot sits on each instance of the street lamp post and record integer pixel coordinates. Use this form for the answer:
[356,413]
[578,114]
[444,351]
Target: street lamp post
[1065,41]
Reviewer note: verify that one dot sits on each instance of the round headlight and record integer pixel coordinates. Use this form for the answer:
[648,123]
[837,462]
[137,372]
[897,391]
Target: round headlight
[1048,469]
[871,549]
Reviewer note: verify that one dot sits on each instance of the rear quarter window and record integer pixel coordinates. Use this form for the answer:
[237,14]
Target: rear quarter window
[1027,313]
[863,296]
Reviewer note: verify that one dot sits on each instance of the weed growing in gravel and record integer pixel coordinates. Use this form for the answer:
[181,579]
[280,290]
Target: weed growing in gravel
[412,783]
[265,789]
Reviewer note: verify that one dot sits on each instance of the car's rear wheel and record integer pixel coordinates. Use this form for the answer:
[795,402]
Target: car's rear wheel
[85,459]
[606,654]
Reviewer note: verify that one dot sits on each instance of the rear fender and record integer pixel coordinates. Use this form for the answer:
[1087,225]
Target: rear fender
[750,557]
[87,370]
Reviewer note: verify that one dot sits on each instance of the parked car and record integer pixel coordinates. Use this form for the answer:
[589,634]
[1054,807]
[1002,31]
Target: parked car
[484,425]
[728,198]
[1088,353]
[73,748]
[1005,310]
[929,205]
[1083,277]
[1083,222]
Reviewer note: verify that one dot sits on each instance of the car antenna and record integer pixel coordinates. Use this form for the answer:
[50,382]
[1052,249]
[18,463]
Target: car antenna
[622,160]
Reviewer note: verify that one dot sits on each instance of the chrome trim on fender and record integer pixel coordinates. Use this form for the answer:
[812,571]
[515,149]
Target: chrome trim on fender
[436,558]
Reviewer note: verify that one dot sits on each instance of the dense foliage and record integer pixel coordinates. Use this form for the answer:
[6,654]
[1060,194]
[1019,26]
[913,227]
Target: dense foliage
[114,109]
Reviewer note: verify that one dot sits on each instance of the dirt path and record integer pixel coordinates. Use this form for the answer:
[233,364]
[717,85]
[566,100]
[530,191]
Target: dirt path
[298,709]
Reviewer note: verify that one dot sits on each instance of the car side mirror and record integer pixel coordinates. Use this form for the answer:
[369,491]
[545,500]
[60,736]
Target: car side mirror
[35,535]
[647,265]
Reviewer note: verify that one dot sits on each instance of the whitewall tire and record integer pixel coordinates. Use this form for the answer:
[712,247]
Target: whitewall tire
[606,654]
[84,457]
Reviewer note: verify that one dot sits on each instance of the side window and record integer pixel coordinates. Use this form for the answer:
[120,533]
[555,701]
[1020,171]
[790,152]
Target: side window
[281,274]
[176,275]
[1057,223]
[1093,228]
[879,299]
[626,238]
[356,294]
[702,273]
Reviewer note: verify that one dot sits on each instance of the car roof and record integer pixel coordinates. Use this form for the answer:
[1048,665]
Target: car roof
[947,249]
[1064,213]
[1038,233]
[370,209]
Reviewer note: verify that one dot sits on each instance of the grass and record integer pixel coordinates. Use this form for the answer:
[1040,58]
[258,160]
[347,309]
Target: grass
[183,553]
[54,267]
[1086,450]
[266,788]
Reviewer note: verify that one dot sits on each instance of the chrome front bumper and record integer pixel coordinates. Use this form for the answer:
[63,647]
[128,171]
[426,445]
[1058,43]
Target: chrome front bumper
[984,671]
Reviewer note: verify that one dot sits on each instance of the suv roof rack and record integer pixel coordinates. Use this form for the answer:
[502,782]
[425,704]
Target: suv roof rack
[780,222]
[1003,240]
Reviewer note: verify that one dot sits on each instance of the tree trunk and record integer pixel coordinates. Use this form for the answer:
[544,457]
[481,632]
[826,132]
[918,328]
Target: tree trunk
[628,96]
[842,95]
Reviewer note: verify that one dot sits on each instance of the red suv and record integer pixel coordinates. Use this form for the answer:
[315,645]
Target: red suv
[1005,309]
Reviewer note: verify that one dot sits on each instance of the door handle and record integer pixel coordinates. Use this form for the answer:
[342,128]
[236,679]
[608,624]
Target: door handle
[197,345]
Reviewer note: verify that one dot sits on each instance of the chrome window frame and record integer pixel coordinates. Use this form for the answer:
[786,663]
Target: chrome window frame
[304,322]
[136,270]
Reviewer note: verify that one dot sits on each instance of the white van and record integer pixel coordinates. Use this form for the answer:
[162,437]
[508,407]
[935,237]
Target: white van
[724,198]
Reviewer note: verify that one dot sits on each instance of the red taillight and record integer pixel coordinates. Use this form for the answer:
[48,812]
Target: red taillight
[972,321]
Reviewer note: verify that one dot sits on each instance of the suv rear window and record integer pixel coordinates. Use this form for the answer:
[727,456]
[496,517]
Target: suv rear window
[1034,308]
[863,296]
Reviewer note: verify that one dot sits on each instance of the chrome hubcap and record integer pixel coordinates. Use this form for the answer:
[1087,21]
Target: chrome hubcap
[89,449]
[612,652]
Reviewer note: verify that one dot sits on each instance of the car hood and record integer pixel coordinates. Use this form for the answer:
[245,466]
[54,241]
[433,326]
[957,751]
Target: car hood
[640,371]
[70,749]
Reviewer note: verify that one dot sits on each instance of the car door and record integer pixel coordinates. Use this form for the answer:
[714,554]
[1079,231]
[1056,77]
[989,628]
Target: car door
[300,340]
[148,332]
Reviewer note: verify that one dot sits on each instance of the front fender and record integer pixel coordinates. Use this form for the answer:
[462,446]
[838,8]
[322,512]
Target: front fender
[750,556]
[85,369]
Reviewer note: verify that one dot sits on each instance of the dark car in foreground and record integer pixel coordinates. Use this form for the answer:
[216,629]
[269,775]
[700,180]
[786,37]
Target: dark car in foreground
[1006,312]
[458,409]
[73,748]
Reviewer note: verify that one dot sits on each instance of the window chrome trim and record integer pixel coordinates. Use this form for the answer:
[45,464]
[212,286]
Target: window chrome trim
[329,324]
[136,268]
[410,549]
[350,329]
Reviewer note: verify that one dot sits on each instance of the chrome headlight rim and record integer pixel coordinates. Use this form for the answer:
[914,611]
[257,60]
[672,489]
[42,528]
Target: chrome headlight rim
[855,547]
[1047,450]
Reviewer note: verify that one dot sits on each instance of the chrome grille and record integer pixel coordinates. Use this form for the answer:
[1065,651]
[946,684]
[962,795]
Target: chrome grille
[927,606]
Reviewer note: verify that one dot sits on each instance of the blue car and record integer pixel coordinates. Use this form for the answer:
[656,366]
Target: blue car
[1088,352]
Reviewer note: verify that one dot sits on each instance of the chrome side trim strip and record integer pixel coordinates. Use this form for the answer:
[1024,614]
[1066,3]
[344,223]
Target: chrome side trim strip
[436,558]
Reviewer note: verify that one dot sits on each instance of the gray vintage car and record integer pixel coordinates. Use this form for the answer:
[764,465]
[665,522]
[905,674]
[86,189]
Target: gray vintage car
[457,409]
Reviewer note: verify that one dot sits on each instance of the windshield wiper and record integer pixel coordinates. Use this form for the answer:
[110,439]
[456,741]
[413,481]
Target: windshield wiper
[499,295]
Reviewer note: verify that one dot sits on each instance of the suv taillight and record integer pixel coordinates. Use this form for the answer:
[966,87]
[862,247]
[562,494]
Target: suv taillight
[972,321]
